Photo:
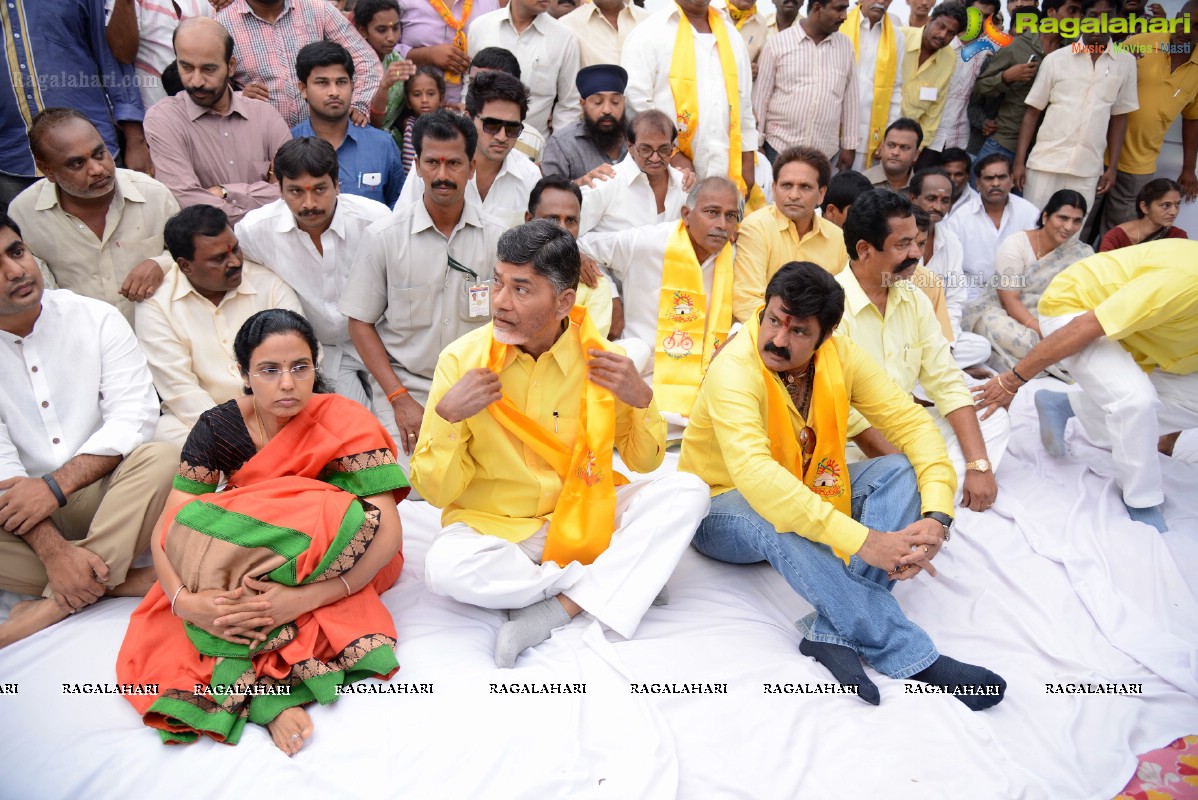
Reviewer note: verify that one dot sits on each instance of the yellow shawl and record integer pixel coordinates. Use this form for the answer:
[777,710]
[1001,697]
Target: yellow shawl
[690,325]
[585,516]
[884,75]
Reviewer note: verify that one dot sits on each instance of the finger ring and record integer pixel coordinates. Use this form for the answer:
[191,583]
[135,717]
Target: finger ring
[411,436]
[295,737]
[925,550]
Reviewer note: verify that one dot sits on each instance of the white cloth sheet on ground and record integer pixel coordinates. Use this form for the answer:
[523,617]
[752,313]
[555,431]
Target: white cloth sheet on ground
[1053,585]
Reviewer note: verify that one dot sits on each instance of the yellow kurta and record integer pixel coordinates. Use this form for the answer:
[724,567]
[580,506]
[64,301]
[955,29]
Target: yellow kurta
[765,241]
[1145,297]
[484,476]
[726,443]
[907,342]
[925,86]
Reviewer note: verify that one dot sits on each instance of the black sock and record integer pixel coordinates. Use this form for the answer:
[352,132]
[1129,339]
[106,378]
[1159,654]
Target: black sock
[961,679]
[845,665]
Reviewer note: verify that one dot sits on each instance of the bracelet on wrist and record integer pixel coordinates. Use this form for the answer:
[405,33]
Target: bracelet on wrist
[1015,372]
[176,597]
[392,397]
[56,490]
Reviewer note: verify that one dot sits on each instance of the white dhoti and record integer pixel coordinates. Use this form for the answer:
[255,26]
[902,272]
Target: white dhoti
[655,522]
[1127,409]
[970,349]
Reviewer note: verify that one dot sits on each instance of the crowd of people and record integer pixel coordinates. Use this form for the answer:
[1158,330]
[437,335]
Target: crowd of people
[483,246]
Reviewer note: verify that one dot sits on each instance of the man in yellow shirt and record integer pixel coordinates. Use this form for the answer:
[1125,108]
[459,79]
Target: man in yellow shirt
[516,447]
[928,66]
[768,434]
[787,229]
[897,327]
[1125,325]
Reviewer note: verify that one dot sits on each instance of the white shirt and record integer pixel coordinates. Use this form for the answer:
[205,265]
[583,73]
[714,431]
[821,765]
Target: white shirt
[78,384]
[636,257]
[548,54]
[156,23]
[646,56]
[967,194]
[980,239]
[869,40]
[1079,96]
[188,341]
[947,259]
[270,236]
[507,199]
[627,201]
[953,130]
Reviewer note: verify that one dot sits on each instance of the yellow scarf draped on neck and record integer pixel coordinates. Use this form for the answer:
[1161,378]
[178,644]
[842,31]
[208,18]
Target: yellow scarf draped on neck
[690,325]
[739,18]
[827,475]
[684,84]
[458,26]
[884,75]
[585,516]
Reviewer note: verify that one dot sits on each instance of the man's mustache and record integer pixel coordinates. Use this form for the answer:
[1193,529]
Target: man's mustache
[781,352]
[444,185]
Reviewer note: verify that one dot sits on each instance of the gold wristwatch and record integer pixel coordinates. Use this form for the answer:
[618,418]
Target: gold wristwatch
[981,465]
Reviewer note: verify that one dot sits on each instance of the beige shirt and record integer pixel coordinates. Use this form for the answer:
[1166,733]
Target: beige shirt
[598,41]
[754,32]
[188,341]
[401,283]
[1078,97]
[93,267]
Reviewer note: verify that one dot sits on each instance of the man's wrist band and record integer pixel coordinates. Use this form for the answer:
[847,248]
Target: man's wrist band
[391,397]
[1015,372]
[56,489]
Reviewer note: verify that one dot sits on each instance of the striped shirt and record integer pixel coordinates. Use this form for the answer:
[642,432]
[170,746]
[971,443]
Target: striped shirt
[266,51]
[805,93]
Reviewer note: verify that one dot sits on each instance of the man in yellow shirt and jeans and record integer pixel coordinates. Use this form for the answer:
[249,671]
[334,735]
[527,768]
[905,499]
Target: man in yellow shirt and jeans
[1125,325]
[768,434]
[516,447]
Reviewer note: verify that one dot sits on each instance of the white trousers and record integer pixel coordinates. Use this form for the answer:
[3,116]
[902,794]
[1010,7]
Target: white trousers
[995,432]
[1126,409]
[655,522]
[970,349]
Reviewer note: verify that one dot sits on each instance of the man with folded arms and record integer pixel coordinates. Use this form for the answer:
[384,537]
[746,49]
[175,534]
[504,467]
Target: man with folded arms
[516,447]
[768,435]
[676,315]
[80,487]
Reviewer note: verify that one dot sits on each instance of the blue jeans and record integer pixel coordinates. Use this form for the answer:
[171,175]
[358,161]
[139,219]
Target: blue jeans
[853,604]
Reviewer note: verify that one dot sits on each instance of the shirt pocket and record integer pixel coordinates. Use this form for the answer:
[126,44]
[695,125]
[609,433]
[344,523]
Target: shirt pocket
[412,309]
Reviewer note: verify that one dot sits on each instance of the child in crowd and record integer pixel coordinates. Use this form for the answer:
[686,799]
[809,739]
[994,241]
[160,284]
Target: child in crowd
[378,22]
[425,94]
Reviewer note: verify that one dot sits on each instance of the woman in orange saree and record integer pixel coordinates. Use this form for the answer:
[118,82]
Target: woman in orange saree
[268,591]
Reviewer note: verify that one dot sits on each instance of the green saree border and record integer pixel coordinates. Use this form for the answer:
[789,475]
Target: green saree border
[369,481]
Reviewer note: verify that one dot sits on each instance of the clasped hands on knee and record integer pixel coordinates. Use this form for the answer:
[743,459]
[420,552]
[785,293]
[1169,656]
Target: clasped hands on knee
[903,554]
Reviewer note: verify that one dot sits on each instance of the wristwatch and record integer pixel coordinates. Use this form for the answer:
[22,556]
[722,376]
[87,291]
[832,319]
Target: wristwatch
[944,519]
[981,465]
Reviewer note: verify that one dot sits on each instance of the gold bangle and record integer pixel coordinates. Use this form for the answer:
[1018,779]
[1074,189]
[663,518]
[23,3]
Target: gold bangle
[343,580]
[1004,386]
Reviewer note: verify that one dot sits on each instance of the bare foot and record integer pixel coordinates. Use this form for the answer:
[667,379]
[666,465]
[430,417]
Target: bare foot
[291,729]
[1167,442]
[137,582]
[29,617]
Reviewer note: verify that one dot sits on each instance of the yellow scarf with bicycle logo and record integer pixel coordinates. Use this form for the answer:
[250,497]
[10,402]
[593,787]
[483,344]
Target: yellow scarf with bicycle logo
[884,75]
[585,515]
[827,475]
[690,325]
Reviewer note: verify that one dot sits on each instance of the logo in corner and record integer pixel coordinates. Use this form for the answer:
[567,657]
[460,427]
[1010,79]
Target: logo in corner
[982,36]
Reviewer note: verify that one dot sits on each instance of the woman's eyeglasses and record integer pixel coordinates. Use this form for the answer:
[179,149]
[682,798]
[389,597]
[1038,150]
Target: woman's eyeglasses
[299,372]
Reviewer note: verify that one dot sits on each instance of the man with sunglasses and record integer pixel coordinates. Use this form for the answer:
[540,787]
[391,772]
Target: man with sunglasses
[643,189]
[896,325]
[186,328]
[767,434]
[503,177]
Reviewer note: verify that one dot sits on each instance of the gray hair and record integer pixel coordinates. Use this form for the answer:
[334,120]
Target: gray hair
[692,198]
[550,249]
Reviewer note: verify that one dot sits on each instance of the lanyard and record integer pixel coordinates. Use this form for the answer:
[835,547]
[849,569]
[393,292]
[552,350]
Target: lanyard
[458,266]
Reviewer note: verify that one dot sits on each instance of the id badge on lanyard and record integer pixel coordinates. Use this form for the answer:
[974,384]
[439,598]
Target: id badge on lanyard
[477,291]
